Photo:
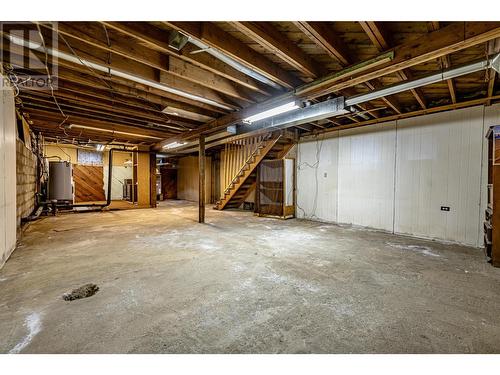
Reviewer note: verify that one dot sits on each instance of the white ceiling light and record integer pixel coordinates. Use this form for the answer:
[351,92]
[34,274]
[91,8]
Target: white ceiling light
[272,112]
[114,72]
[112,131]
[427,80]
[174,145]
[235,64]
[100,147]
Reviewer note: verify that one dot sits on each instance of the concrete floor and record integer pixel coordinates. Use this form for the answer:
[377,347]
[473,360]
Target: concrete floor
[241,284]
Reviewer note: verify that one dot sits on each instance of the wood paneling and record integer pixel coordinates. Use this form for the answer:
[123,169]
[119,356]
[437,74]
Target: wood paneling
[89,183]
[169,183]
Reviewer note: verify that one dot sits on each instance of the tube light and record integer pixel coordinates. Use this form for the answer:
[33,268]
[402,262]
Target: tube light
[100,147]
[416,83]
[233,63]
[272,112]
[118,73]
[174,145]
[111,131]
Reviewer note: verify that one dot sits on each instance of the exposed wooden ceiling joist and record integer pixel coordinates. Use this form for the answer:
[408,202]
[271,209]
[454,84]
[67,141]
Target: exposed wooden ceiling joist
[88,33]
[452,38]
[321,34]
[210,34]
[270,38]
[156,39]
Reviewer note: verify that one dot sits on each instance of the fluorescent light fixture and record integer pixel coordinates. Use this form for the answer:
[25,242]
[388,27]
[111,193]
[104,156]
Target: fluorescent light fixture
[174,145]
[100,147]
[314,112]
[416,83]
[174,111]
[272,112]
[21,42]
[112,131]
[102,68]
[235,64]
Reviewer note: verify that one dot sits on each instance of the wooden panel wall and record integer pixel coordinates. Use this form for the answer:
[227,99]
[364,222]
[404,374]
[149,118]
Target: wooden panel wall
[89,183]
[187,179]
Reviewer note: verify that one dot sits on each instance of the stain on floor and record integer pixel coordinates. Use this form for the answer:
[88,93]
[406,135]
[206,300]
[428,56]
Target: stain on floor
[242,284]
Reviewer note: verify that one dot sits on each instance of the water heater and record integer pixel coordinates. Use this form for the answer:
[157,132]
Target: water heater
[60,181]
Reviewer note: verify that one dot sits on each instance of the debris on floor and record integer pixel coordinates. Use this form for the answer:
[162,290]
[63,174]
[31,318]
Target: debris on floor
[87,290]
[425,250]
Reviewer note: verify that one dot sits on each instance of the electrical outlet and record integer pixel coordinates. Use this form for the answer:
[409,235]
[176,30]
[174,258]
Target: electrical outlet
[325,175]
[445,208]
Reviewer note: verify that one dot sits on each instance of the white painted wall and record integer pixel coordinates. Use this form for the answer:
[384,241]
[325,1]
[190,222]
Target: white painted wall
[120,173]
[7,174]
[439,164]
[317,170]
[366,176]
[396,176]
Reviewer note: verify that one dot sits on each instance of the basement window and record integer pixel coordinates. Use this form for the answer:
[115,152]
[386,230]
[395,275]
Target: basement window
[89,157]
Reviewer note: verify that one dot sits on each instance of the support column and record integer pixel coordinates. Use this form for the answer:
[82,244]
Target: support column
[152,176]
[201,189]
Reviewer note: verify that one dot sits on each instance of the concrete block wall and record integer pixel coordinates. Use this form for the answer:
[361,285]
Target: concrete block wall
[26,181]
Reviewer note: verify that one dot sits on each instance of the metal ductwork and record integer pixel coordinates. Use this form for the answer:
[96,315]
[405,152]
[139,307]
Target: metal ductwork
[319,111]
[339,106]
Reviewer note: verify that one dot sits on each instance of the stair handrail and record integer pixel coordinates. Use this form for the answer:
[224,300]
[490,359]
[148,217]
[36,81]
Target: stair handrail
[265,139]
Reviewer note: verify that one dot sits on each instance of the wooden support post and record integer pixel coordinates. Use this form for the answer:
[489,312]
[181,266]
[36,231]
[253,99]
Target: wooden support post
[201,190]
[152,178]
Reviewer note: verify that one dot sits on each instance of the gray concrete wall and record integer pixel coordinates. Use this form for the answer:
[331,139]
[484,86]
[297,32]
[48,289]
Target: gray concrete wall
[26,181]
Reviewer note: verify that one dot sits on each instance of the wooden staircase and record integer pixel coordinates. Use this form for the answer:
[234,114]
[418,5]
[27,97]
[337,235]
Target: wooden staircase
[242,183]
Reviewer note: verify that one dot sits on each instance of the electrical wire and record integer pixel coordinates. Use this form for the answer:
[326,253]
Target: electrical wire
[98,76]
[49,80]
[315,166]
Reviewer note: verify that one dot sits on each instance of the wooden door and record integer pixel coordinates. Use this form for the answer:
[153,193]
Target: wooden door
[89,183]
[269,191]
[169,183]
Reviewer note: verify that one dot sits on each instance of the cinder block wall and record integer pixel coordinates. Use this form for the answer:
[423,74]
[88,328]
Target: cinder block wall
[26,180]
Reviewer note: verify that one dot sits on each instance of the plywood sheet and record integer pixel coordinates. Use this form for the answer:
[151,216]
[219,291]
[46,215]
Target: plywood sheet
[89,183]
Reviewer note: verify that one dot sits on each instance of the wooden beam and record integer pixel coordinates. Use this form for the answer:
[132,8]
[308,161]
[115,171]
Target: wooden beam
[136,52]
[114,110]
[376,34]
[323,36]
[391,102]
[201,188]
[121,64]
[97,123]
[157,39]
[445,63]
[215,37]
[89,86]
[271,39]
[452,38]
[410,114]
[379,38]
